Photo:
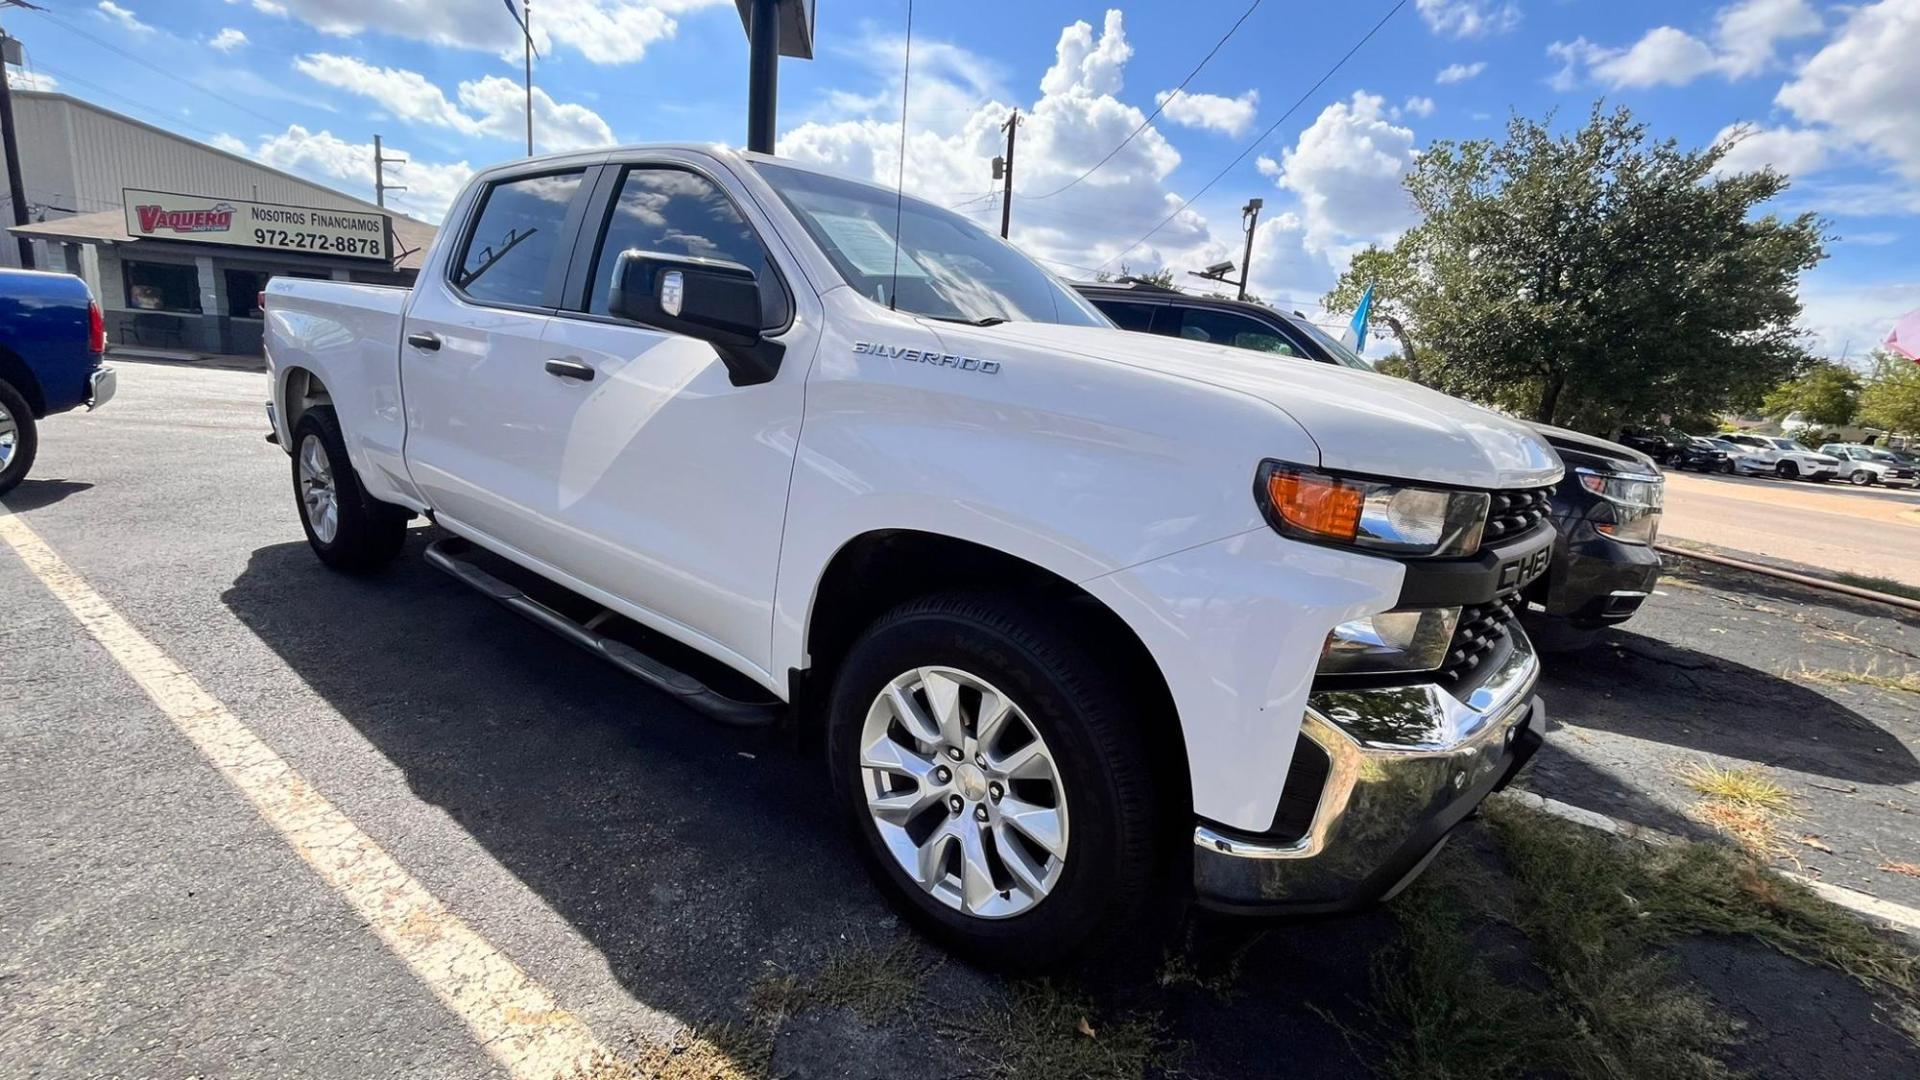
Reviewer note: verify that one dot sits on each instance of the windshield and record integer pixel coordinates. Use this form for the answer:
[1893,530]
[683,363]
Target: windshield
[1340,353]
[1789,444]
[944,267]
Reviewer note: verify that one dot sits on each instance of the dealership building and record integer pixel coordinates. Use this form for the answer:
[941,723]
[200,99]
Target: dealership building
[177,238]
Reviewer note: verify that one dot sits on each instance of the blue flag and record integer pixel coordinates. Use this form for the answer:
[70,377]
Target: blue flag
[1358,327]
[514,10]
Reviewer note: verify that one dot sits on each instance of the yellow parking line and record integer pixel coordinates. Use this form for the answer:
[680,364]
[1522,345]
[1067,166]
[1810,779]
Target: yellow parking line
[514,1018]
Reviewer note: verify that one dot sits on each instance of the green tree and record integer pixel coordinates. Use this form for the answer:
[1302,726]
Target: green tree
[1595,278]
[1891,397]
[1828,395]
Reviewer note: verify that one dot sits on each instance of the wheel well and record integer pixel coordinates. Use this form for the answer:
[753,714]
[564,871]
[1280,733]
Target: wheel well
[15,372]
[304,391]
[878,571]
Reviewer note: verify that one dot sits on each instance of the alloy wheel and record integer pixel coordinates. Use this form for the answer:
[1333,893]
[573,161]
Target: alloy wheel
[319,499]
[964,793]
[9,437]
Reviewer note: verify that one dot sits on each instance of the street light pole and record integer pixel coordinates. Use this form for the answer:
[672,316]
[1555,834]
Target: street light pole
[526,29]
[1250,215]
[16,184]
[763,73]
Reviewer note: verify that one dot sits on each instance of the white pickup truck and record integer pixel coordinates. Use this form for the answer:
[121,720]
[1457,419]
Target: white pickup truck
[1081,618]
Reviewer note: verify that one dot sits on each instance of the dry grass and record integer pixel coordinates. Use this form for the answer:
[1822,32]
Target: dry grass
[1749,788]
[876,982]
[1879,584]
[722,1052]
[1048,1032]
[1745,804]
[1602,1000]
[1906,868]
[1906,682]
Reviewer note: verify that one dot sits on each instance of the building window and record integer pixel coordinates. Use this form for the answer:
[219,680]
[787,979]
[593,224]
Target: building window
[243,292]
[162,287]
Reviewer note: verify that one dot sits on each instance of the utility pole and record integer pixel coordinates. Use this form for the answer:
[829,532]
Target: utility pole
[1250,216]
[1003,170]
[16,184]
[380,163]
[526,27]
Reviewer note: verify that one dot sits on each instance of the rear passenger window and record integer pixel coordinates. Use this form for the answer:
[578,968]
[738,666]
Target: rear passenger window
[1138,317]
[515,237]
[678,212]
[1227,328]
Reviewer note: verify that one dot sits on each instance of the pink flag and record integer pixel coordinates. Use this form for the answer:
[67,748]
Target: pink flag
[1905,336]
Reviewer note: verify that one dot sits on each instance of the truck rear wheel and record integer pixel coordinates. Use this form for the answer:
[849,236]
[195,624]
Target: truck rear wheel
[19,438]
[349,529]
[997,778]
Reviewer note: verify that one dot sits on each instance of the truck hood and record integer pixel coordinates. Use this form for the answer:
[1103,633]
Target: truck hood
[1363,422]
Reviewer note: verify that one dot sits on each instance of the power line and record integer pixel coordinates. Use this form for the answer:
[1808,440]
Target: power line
[157,69]
[1156,109]
[1264,135]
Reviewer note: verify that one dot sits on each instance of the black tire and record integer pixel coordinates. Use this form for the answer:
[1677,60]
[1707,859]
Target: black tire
[26,437]
[1726,467]
[1787,470]
[1097,907]
[367,533]
[1860,478]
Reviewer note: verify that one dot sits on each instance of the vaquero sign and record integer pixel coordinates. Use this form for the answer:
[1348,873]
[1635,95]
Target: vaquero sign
[163,215]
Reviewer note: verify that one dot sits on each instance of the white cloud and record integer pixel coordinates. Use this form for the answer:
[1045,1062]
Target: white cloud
[1852,318]
[228,40]
[603,31]
[1469,18]
[1743,43]
[22,79]
[1346,167]
[1863,85]
[1228,115]
[1793,151]
[1415,106]
[1458,73]
[324,157]
[122,17]
[268,7]
[493,105]
[1074,123]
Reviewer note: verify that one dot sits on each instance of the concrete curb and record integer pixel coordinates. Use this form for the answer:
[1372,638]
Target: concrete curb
[1787,575]
[1895,916]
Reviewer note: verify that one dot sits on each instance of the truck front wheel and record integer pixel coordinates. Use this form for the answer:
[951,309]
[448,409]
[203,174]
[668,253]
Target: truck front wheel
[348,529]
[997,778]
[19,439]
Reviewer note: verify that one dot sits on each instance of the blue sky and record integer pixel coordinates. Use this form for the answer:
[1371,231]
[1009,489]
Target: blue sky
[306,84]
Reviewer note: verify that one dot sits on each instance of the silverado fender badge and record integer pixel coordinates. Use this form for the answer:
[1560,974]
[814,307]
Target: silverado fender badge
[922,356]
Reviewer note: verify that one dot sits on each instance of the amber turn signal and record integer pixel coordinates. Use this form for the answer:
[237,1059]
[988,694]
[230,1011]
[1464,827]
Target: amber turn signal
[1316,504]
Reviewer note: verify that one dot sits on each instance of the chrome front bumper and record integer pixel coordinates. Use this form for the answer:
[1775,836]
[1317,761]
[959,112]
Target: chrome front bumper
[1406,764]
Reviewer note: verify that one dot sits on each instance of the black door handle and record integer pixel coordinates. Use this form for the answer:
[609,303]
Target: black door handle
[570,369]
[426,342]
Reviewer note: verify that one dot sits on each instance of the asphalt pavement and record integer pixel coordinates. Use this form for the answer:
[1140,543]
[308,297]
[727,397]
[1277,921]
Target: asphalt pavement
[1831,528]
[644,866]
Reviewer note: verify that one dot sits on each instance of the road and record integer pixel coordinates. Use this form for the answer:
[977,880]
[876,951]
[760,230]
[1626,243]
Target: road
[1873,532]
[267,820]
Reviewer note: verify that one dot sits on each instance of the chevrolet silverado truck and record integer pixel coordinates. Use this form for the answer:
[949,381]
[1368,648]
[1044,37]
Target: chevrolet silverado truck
[1078,618]
[52,338]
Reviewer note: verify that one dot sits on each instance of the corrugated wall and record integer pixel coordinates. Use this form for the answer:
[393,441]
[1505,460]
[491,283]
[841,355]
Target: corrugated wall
[79,157]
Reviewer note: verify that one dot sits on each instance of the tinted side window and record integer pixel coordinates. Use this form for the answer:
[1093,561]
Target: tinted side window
[514,240]
[1127,316]
[677,212]
[1227,328]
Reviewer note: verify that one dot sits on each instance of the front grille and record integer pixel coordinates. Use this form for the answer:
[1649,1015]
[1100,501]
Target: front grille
[1482,628]
[1514,512]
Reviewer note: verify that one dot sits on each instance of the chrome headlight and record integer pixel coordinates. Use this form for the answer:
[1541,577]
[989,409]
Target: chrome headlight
[1392,641]
[1630,504]
[1394,519]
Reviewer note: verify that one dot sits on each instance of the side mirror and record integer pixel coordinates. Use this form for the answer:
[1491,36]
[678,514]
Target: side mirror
[713,300]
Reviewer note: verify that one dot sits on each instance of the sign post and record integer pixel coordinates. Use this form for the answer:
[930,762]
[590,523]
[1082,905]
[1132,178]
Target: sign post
[775,28]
